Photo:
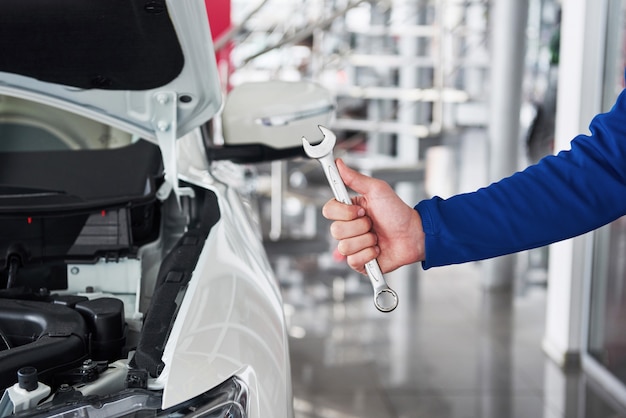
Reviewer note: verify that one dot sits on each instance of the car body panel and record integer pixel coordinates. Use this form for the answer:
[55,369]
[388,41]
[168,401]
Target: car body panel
[230,317]
[133,110]
[231,320]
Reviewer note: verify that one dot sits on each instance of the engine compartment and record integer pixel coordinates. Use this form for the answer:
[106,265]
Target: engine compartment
[53,228]
[93,266]
[97,325]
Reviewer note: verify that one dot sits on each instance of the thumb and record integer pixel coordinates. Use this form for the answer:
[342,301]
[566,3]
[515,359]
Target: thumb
[358,182]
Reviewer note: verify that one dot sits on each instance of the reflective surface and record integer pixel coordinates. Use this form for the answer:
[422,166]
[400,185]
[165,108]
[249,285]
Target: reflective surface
[449,350]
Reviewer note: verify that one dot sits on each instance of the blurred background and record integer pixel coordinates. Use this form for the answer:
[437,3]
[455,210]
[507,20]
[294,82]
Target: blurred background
[440,97]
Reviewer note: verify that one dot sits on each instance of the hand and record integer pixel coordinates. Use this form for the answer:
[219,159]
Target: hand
[378,224]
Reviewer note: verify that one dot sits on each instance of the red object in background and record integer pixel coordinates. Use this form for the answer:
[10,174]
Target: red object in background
[219,20]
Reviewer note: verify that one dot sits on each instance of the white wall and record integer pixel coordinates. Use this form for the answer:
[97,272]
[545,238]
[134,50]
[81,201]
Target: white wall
[579,100]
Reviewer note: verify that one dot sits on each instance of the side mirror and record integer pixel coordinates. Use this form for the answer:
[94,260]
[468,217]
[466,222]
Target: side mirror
[264,121]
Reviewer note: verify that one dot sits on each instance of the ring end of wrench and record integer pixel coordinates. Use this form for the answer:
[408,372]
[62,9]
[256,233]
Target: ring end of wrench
[386,300]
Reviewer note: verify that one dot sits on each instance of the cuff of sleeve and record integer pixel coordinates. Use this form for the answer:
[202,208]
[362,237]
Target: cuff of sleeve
[427,225]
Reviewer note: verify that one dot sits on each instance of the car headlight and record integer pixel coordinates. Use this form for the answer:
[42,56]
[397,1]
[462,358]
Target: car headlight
[229,399]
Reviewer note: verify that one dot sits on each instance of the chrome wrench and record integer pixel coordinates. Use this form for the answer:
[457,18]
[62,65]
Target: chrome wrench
[385,299]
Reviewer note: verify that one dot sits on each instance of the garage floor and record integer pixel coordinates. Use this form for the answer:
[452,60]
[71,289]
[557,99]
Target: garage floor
[451,349]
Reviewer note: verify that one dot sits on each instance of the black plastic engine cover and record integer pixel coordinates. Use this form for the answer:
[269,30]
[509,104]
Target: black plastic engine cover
[105,317]
[46,336]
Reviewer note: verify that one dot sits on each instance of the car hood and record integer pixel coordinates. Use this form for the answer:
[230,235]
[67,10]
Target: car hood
[144,66]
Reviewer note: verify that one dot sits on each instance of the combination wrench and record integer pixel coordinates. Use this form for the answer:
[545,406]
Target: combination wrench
[385,299]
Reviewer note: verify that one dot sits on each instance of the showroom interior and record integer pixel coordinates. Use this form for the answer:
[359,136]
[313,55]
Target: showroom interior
[439,97]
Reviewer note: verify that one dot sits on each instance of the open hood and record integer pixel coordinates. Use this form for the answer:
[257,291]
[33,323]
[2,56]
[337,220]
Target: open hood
[144,66]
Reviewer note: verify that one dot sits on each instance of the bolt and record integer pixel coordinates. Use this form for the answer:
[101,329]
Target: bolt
[87,364]
[74,270]
[163,126]
[162,98]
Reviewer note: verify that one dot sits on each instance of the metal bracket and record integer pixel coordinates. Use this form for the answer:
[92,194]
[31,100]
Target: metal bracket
[164,122]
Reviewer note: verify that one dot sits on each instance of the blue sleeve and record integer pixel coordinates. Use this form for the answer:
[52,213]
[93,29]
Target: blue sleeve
[560,197]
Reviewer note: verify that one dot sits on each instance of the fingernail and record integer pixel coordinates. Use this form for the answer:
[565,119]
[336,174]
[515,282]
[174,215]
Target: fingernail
[361,212]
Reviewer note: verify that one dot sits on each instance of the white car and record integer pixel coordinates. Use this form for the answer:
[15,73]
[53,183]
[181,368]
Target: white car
[134,278]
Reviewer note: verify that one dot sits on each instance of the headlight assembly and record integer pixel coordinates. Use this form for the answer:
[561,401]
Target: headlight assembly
[229,399]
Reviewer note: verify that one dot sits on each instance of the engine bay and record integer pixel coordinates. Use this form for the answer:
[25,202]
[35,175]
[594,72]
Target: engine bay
[97,324]
[91,277]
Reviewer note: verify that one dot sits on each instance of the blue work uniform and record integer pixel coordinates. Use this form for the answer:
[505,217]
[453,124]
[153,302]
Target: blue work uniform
[560,197]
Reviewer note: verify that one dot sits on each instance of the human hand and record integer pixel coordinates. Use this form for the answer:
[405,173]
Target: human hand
[378,224]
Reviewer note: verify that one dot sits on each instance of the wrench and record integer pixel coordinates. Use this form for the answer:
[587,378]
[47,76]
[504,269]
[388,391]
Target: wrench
[385,299]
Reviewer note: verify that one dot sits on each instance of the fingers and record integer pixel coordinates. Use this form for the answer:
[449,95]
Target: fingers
[357,261]
[351,226]
[349,229]
[353,231]
[356,242]
[337,211]
[354,245]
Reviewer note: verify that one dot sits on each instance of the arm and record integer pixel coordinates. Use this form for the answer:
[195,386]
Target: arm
[560,197]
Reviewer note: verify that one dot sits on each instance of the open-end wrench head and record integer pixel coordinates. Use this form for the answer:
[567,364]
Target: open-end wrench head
[322,149]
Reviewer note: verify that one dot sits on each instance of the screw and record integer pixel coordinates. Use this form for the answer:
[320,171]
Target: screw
[64,387]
